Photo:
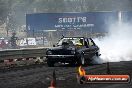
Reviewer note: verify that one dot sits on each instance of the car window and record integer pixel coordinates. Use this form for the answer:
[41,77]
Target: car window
[86,43]
[72,41]
[79,42]
[91,43]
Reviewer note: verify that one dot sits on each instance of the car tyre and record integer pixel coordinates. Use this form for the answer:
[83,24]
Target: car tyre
[50,63]
[81,60]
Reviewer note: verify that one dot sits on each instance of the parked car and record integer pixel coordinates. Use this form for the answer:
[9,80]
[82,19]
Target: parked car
[73,50]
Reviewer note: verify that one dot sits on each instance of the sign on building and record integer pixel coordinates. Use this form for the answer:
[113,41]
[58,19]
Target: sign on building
[98,21]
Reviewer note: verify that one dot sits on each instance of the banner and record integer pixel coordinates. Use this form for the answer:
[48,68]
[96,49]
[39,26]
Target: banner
[98,21]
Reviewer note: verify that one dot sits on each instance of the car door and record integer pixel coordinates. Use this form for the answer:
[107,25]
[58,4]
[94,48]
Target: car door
[86,49]
[92,46]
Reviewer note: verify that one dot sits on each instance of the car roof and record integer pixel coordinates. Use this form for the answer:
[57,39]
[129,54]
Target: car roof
[77,37]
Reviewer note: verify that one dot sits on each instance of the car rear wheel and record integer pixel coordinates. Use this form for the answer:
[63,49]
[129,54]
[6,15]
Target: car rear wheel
[50,63]
[81,60]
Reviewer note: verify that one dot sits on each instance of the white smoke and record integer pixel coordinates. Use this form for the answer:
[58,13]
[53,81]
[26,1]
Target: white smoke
[117,45]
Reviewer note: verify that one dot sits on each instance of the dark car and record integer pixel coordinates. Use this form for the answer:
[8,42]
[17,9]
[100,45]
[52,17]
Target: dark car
[73,50]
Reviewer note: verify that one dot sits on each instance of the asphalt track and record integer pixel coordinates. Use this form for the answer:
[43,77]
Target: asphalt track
[40,76]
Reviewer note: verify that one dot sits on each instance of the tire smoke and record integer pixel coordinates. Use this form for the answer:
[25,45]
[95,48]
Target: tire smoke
[117,45]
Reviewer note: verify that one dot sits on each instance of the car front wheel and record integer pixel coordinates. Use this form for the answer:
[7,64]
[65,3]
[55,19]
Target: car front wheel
[50,63]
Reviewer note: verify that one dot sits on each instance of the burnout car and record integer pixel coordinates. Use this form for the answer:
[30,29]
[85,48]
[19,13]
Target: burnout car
[73,50]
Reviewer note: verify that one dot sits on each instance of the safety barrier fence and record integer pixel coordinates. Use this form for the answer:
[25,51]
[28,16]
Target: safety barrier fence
[13,57]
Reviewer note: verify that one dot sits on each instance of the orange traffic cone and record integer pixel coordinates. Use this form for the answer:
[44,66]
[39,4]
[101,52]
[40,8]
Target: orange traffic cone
[53,82]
